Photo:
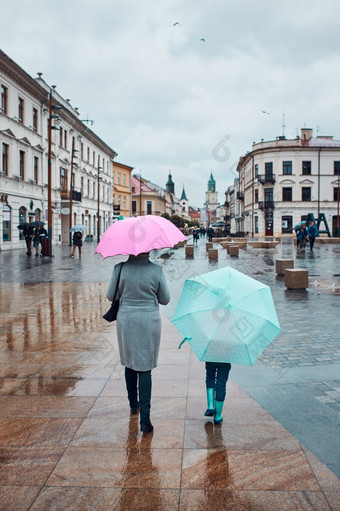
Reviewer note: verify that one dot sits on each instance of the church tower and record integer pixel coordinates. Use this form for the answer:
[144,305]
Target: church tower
[184,204]
[170,185]
[211,196]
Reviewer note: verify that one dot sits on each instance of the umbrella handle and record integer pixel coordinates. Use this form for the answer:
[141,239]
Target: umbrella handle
[184,340]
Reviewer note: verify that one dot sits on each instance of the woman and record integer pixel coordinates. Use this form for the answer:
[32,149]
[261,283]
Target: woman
[142,287]
[77,239]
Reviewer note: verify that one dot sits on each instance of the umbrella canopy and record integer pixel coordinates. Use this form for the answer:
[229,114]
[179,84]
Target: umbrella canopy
[37,223]
[135,235]
[78,228]
[226,316]
[23,225]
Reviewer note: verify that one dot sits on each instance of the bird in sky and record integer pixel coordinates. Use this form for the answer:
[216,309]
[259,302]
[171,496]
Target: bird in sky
[202,39]
[264,112]
[177,23]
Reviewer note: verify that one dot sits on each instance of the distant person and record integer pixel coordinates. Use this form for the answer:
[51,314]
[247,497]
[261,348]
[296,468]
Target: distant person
[312,234]
[39,233]
[28,233]
[77,239]
[196,234]
[210,233]
[302,237]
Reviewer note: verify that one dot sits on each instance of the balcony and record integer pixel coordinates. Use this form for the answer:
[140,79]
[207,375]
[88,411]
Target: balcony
[266,178]
[268,204]
[65,195]
[240,195]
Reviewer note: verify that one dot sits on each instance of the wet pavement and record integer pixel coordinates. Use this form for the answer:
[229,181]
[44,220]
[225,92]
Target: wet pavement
[67,441]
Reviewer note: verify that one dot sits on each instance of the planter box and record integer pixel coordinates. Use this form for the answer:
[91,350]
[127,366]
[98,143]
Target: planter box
[281,265]
[296,279]
[213,253]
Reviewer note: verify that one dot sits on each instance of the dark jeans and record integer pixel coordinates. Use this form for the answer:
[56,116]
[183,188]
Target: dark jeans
[217,374]
[140,380]
[311,242]
[28,240]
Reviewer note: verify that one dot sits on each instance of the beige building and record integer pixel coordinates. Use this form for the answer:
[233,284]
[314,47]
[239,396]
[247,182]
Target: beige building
[147,198]
[283,180]
[121,189]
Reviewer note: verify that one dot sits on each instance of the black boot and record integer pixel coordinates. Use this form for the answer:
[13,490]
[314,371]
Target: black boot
[145,401]
[131,387]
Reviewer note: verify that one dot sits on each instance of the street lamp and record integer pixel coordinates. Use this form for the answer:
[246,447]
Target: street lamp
[98,201]
[51,116]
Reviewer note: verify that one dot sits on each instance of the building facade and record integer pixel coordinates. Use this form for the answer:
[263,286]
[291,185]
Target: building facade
[281,181]
[121,189]
[81,163]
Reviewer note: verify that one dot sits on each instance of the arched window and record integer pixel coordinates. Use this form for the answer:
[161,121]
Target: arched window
[37,215]
[22,220]
[6,223]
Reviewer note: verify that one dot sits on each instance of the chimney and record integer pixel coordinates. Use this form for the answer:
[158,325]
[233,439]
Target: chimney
[306,133]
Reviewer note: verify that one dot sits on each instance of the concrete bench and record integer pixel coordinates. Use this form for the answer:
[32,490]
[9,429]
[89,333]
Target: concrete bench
[281,265]
[233,251]
[189,251]
[209,245]
[213,253]
[296,278]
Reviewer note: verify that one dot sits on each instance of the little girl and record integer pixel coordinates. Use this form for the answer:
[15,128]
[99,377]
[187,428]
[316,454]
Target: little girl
[216,378]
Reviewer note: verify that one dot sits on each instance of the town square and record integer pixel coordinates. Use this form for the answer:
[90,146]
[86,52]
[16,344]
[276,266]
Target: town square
[169,256]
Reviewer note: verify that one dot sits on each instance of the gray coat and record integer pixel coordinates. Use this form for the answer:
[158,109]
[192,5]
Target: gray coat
[142,286]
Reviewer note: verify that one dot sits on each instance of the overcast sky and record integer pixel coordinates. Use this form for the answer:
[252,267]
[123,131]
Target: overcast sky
[164,99]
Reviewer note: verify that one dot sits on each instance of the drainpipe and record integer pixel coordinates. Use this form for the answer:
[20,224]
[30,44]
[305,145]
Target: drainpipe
[252,195]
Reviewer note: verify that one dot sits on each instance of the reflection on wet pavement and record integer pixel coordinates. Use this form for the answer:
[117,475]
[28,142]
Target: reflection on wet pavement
[68,441]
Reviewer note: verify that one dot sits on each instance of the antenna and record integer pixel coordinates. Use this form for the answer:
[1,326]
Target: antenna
[283,122]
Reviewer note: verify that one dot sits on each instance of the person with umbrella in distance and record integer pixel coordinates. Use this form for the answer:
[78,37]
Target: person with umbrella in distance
[28,235]
[39,233]
[141,287]
[77,240]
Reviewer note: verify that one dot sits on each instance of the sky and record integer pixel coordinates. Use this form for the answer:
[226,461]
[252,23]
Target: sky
[166,100]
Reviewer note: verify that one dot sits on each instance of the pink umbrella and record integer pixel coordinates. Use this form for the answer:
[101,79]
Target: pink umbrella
[135,235]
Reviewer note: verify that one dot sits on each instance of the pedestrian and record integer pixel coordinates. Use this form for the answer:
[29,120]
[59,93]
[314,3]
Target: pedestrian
[196,234]
[39,233]
[312,234]
[142,287]
[210,233]
[216,377]
[28,233]
[77,240]
[302,237]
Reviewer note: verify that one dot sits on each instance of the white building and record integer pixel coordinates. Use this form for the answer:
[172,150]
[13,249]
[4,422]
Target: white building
[24,115]
[281,181]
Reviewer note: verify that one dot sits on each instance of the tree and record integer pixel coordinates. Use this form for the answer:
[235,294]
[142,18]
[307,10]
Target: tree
[177,220]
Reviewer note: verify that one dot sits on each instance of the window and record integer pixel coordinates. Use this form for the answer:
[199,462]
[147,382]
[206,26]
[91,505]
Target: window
[4,96]
[287,224]
[61,136]
[268,168]
[22,164]
[36,168]
[337,168]
[82,151]
[306,168]
[256,196]
[35,119]
[6,223]
[306,193]
[124,202]
[37,215]
[336,194]
[119,178]
[5,153]
[256,218]
[88,188]
[82,185]
[124,179]
[93,158]
[149,207]
[88,154]
[134,207]
[63,179]
[21,109]
[65,139]
[94,190]
[256,169]
[287,194]
[287,168]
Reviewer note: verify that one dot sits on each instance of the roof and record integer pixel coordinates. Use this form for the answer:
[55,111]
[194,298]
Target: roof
[183,196]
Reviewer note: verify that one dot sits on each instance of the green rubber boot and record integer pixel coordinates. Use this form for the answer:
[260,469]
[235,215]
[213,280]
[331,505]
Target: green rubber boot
[218,419]
[210,411]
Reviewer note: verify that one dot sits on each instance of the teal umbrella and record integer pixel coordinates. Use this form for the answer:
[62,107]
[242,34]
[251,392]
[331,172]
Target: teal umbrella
[226,316]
